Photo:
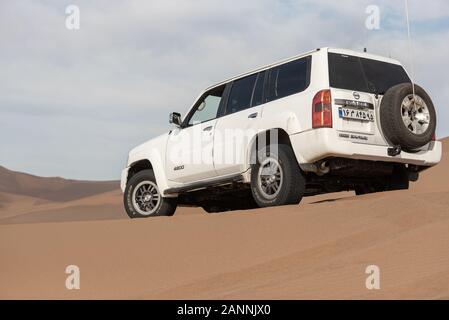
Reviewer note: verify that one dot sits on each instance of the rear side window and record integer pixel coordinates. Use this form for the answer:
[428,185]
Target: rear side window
[241,93]
[366,75]
[289,78]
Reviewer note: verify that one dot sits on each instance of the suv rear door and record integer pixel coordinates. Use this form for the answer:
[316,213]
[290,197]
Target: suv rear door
[242,114]
[357,86]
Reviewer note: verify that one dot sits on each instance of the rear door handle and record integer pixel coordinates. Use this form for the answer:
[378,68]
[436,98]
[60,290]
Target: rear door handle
[209,128]
[253,115]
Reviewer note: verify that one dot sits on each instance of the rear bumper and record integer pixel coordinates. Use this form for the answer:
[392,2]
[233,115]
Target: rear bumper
[314,145]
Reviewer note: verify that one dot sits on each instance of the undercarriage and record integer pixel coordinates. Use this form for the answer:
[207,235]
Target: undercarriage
[331,175]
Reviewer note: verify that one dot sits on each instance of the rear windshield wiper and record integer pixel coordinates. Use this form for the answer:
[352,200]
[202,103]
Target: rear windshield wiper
[372,88]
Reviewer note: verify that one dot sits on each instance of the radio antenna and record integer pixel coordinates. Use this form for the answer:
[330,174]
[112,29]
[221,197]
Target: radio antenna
[410,50]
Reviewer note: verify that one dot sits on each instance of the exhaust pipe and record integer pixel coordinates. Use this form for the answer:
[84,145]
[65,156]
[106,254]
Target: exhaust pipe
[323,168]
[319,168]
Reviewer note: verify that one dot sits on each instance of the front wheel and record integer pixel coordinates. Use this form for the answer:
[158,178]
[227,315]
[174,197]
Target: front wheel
[142,198]
[276,178]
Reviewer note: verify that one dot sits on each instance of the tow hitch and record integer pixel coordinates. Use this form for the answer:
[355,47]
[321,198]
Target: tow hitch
[394,151]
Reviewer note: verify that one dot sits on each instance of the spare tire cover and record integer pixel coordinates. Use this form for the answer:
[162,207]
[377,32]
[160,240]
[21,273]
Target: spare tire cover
[406,120]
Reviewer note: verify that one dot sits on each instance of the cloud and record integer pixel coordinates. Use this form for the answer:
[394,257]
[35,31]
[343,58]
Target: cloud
[64,94]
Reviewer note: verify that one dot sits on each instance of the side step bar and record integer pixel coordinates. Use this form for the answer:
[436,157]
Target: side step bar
[205,184]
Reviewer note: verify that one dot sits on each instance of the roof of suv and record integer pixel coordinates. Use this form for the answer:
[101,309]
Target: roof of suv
[328,49]
[362,54]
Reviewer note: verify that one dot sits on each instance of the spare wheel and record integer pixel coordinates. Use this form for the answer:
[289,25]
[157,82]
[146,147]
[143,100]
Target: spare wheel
[407,120]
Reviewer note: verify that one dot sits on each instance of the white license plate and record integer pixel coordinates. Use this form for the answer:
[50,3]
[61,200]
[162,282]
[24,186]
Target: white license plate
[356,114]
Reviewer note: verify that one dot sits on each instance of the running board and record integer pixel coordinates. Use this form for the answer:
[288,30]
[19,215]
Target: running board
[205,184]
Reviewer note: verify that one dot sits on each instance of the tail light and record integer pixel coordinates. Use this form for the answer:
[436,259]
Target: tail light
[322,110]
[434,137]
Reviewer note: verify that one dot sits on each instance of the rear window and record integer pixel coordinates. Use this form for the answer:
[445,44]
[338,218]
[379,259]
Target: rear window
[366,75]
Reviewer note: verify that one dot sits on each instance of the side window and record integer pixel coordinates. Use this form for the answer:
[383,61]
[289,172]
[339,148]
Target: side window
[207,108]
[258,90]
[240,95]
[289,78]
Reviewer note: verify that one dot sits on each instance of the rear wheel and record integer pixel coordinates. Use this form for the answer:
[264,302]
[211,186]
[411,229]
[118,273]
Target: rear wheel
[399,180]
[276,178]
[369,187]
[142,198]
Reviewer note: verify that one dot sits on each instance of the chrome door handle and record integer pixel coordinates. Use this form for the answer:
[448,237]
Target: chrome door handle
[253,115]
[209,128]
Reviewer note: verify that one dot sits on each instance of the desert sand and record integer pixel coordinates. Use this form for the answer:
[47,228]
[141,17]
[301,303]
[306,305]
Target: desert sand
[317,250]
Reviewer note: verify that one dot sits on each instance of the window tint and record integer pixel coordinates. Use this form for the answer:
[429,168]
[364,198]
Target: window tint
[345,72]
[366,75]
[258,90]
[240,95]
[381,76]
[207,108]
[289,78]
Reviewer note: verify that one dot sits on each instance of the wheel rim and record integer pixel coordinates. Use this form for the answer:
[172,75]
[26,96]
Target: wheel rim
[270,178]
[146,198]
[415,114]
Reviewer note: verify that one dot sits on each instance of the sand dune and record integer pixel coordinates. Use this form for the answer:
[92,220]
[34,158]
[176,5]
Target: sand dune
[54,189]
[319,249]
[103,206]
[13,204]
[25,198]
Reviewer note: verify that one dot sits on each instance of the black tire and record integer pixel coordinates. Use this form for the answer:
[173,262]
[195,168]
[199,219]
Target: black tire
[212,209]
[399,180]
[368,188]
[292,188]
[165,207]
[237,205]
[392,124]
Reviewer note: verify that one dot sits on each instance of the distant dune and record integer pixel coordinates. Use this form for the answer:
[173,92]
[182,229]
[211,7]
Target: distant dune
[54,189]
[319,249]
[25,198]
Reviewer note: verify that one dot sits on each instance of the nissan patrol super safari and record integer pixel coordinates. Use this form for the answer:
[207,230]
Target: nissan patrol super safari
[325,121]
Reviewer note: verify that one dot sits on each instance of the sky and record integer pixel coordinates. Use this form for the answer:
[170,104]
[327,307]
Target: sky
[74,102]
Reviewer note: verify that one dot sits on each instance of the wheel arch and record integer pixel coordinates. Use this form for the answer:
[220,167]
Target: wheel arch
[137,166]
[265,138]
[151,162]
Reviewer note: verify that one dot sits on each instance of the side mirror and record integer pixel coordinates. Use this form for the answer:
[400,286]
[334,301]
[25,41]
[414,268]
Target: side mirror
[175,118]
[202,105]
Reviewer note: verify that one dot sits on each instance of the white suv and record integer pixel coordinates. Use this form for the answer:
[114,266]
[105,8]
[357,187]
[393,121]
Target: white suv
[324,121]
